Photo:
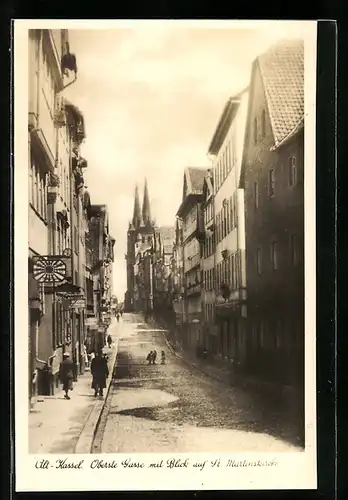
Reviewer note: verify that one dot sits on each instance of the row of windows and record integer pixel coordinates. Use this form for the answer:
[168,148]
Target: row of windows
[48,83]
[38,189]
[226,219]
[274,254]
[292,181]
[209,310]
[225,163]
[227,271]
[208,213]
[209,246]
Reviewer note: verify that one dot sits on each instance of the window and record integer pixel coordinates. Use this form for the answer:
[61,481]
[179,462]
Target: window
[232,265]
[271,183]
[293,249]
[292,171]
[255,130]
[259,261]
[263,123]
[256,195]
[274,255]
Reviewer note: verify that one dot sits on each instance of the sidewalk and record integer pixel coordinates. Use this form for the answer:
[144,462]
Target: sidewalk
[56,425]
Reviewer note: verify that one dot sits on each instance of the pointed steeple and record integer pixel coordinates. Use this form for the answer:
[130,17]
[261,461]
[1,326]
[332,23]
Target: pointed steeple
[146,206]
[136,212]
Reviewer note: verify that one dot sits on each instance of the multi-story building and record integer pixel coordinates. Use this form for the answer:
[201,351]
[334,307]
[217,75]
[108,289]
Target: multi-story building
[162,256]
[188,212]
[226,149]
[140,244]
[101,245]
[273,179]
[207,239]
[51,68]
[177,273]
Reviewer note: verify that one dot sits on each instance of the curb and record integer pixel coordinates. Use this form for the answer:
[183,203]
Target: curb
[85,441]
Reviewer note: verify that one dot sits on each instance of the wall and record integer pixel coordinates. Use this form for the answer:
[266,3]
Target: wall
[275,293]
[190,222]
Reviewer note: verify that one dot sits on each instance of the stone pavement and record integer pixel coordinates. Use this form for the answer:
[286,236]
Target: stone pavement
[56,425]
[176,408]
[272,395]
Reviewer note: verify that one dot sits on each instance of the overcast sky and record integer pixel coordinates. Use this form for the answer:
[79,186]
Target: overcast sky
[151,100]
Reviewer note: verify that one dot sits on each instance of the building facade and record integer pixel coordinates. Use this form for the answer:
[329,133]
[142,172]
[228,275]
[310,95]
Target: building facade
[192,335]
[273,179]
[226,150]
[51,68]
[210,330]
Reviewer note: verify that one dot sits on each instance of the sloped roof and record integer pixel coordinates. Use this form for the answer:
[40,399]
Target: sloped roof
[225,121]
[196,177]
[282,72]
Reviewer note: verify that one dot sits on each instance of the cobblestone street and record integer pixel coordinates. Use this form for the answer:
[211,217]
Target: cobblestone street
[175,408]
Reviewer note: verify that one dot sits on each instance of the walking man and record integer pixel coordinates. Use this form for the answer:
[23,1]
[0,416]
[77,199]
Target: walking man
[66,374]
[163,358]
[149,357]
[100,372]
[109,341]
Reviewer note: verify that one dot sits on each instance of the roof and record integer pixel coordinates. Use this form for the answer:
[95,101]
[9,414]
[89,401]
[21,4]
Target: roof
[195,177]
[224,122]
[282,72]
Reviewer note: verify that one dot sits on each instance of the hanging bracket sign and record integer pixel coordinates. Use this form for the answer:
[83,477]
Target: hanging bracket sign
[51,269]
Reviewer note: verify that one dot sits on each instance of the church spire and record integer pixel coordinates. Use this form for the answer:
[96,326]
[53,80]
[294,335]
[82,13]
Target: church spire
[136,213]
[146,206]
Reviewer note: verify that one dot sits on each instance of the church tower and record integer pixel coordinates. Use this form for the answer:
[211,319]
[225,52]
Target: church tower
[146,213]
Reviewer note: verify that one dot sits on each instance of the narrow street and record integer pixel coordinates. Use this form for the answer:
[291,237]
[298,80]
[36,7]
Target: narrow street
[175,408]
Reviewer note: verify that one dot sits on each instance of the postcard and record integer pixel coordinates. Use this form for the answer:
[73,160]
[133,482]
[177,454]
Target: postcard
[165,255]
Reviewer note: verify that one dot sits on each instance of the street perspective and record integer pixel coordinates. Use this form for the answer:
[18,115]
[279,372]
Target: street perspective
[166,259]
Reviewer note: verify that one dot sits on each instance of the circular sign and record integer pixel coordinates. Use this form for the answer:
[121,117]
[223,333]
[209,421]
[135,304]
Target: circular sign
[49,270]
[67,252]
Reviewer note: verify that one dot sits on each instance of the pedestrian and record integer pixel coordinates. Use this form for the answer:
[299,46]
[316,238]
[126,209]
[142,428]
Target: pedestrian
[100,372]
[118,317]
[66,374]
[85,355]
[163,358]
[121,314]
[149,357]
[109,341]
[154,356]
[205,353]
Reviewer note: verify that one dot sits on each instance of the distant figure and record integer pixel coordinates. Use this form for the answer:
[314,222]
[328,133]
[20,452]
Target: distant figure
[121,314]
[109,341]
[154,356]
[100,372]
[149,357]
[205,353]
[163,358]
[118,317]
[66,374]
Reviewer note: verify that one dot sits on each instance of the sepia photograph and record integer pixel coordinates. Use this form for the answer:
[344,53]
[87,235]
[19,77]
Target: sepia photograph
[165,204]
